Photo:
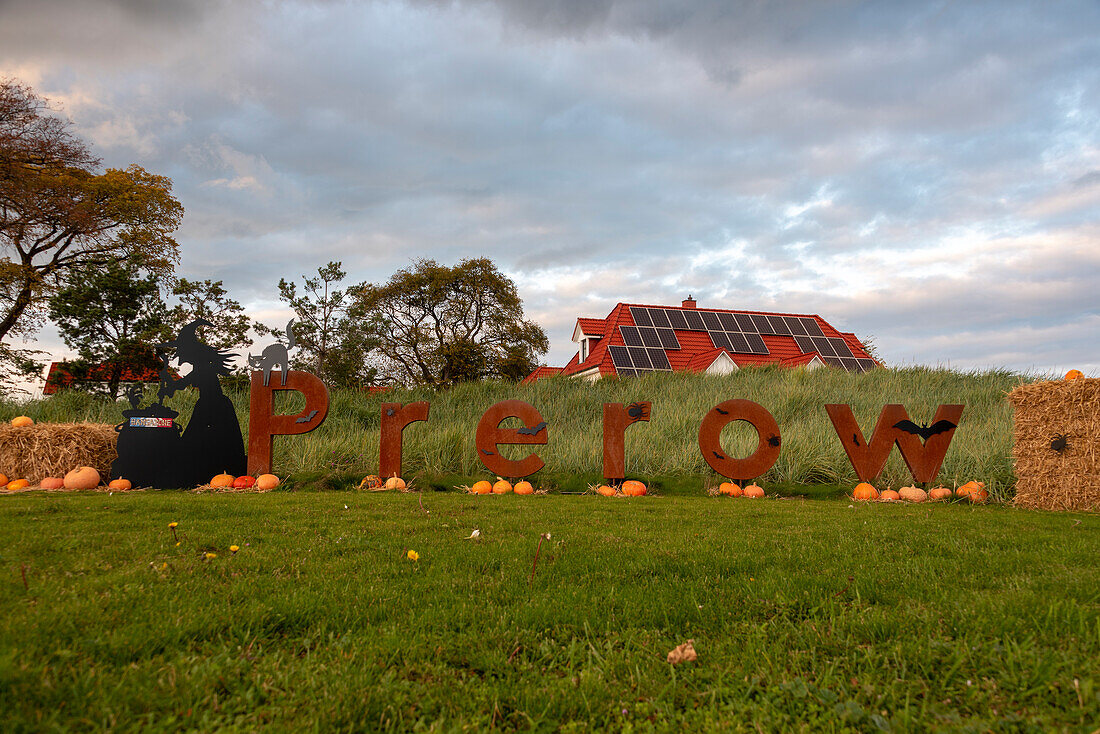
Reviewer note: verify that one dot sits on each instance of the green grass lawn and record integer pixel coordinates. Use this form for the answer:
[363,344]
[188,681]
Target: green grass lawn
[806,614]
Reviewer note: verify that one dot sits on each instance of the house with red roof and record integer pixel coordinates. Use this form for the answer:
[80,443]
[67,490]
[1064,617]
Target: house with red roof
[60,377]
[635,339]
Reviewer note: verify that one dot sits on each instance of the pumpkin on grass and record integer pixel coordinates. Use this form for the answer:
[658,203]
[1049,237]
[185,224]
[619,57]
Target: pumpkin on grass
[937,494]
[913,494]
[17,484]
[267,481]
[481,487]
[244,482]
[371,481]
[48,482]
[754,490]
[395,483]
[502,486]
[120,484]
[606,490]
[730,489]
[222,480]
[634,488]
[523,488]
[4,479]
[864,492]
[889,495]
[84,477]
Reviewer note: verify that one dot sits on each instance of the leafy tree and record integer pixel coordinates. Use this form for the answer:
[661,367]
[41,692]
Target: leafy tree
[208,299]
[330,337]
[59,216]
[113,316]
[439,325]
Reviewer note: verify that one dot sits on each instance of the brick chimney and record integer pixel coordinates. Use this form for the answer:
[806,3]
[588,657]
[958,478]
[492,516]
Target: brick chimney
[689,303]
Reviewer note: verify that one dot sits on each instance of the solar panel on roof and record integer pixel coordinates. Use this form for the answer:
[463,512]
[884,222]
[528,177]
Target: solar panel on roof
[695,321]
[805,344]
[619,356]
[746,323]
[729,323]
[721,340]
[821,344]
[840,347]
[779,325]
[631,336]
[668,338]
[676,320]
[710,320]
[650,338]
[795,325]
[739,344]
[756,344]
[640,316]
[659,317]
[659,359]
[850,364]
[833,362]
[625,372]
[866,364]
[640,358]
[811,326]
[762,324]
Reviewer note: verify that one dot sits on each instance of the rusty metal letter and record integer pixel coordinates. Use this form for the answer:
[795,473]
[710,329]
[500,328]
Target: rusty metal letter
[490,435]
[263,426]
[868,458]
[767,451]
[394,419]
[616,419]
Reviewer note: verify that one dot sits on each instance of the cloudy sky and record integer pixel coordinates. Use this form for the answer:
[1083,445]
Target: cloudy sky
[924,174]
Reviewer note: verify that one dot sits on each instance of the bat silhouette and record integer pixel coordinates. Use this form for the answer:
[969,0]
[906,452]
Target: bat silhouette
[533,431]
[924,431]
[723,412]
[307,418]
[717,455]
[855,439]
[487,453]
[773,440]
[390,412]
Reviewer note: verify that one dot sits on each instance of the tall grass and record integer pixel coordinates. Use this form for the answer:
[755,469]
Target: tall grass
[347,443]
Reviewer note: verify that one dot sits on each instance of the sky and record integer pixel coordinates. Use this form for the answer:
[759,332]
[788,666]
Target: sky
[926,175]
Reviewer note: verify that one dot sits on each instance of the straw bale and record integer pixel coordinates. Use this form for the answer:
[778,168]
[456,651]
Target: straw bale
[1047,479]
[53,449]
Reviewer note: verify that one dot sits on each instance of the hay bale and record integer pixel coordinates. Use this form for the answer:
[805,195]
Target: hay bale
[52,449]
[1046,478]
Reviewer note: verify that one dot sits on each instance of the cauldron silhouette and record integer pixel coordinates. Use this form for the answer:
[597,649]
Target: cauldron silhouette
[149,447]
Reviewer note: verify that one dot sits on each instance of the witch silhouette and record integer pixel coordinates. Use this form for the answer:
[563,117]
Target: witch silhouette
[212,442]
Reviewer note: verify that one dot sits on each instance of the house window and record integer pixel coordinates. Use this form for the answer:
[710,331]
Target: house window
[584,349]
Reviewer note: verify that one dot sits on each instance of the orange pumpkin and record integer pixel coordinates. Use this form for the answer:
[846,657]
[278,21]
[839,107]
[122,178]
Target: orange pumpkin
[730,489]
[940,493]
[864,491]
[913,494]
[755,491]
[1074,374]
[119,484]
[22,421]
[633,488]
[524,488]
[502,486]
[395,483]
[4,479]
[46,483]
[482,487]
[371,481]
[267,481]
[243,482]
[978,493]
[222,480]
[17,484]
[84,477]
[606,490]
[971,486]
[889,495]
